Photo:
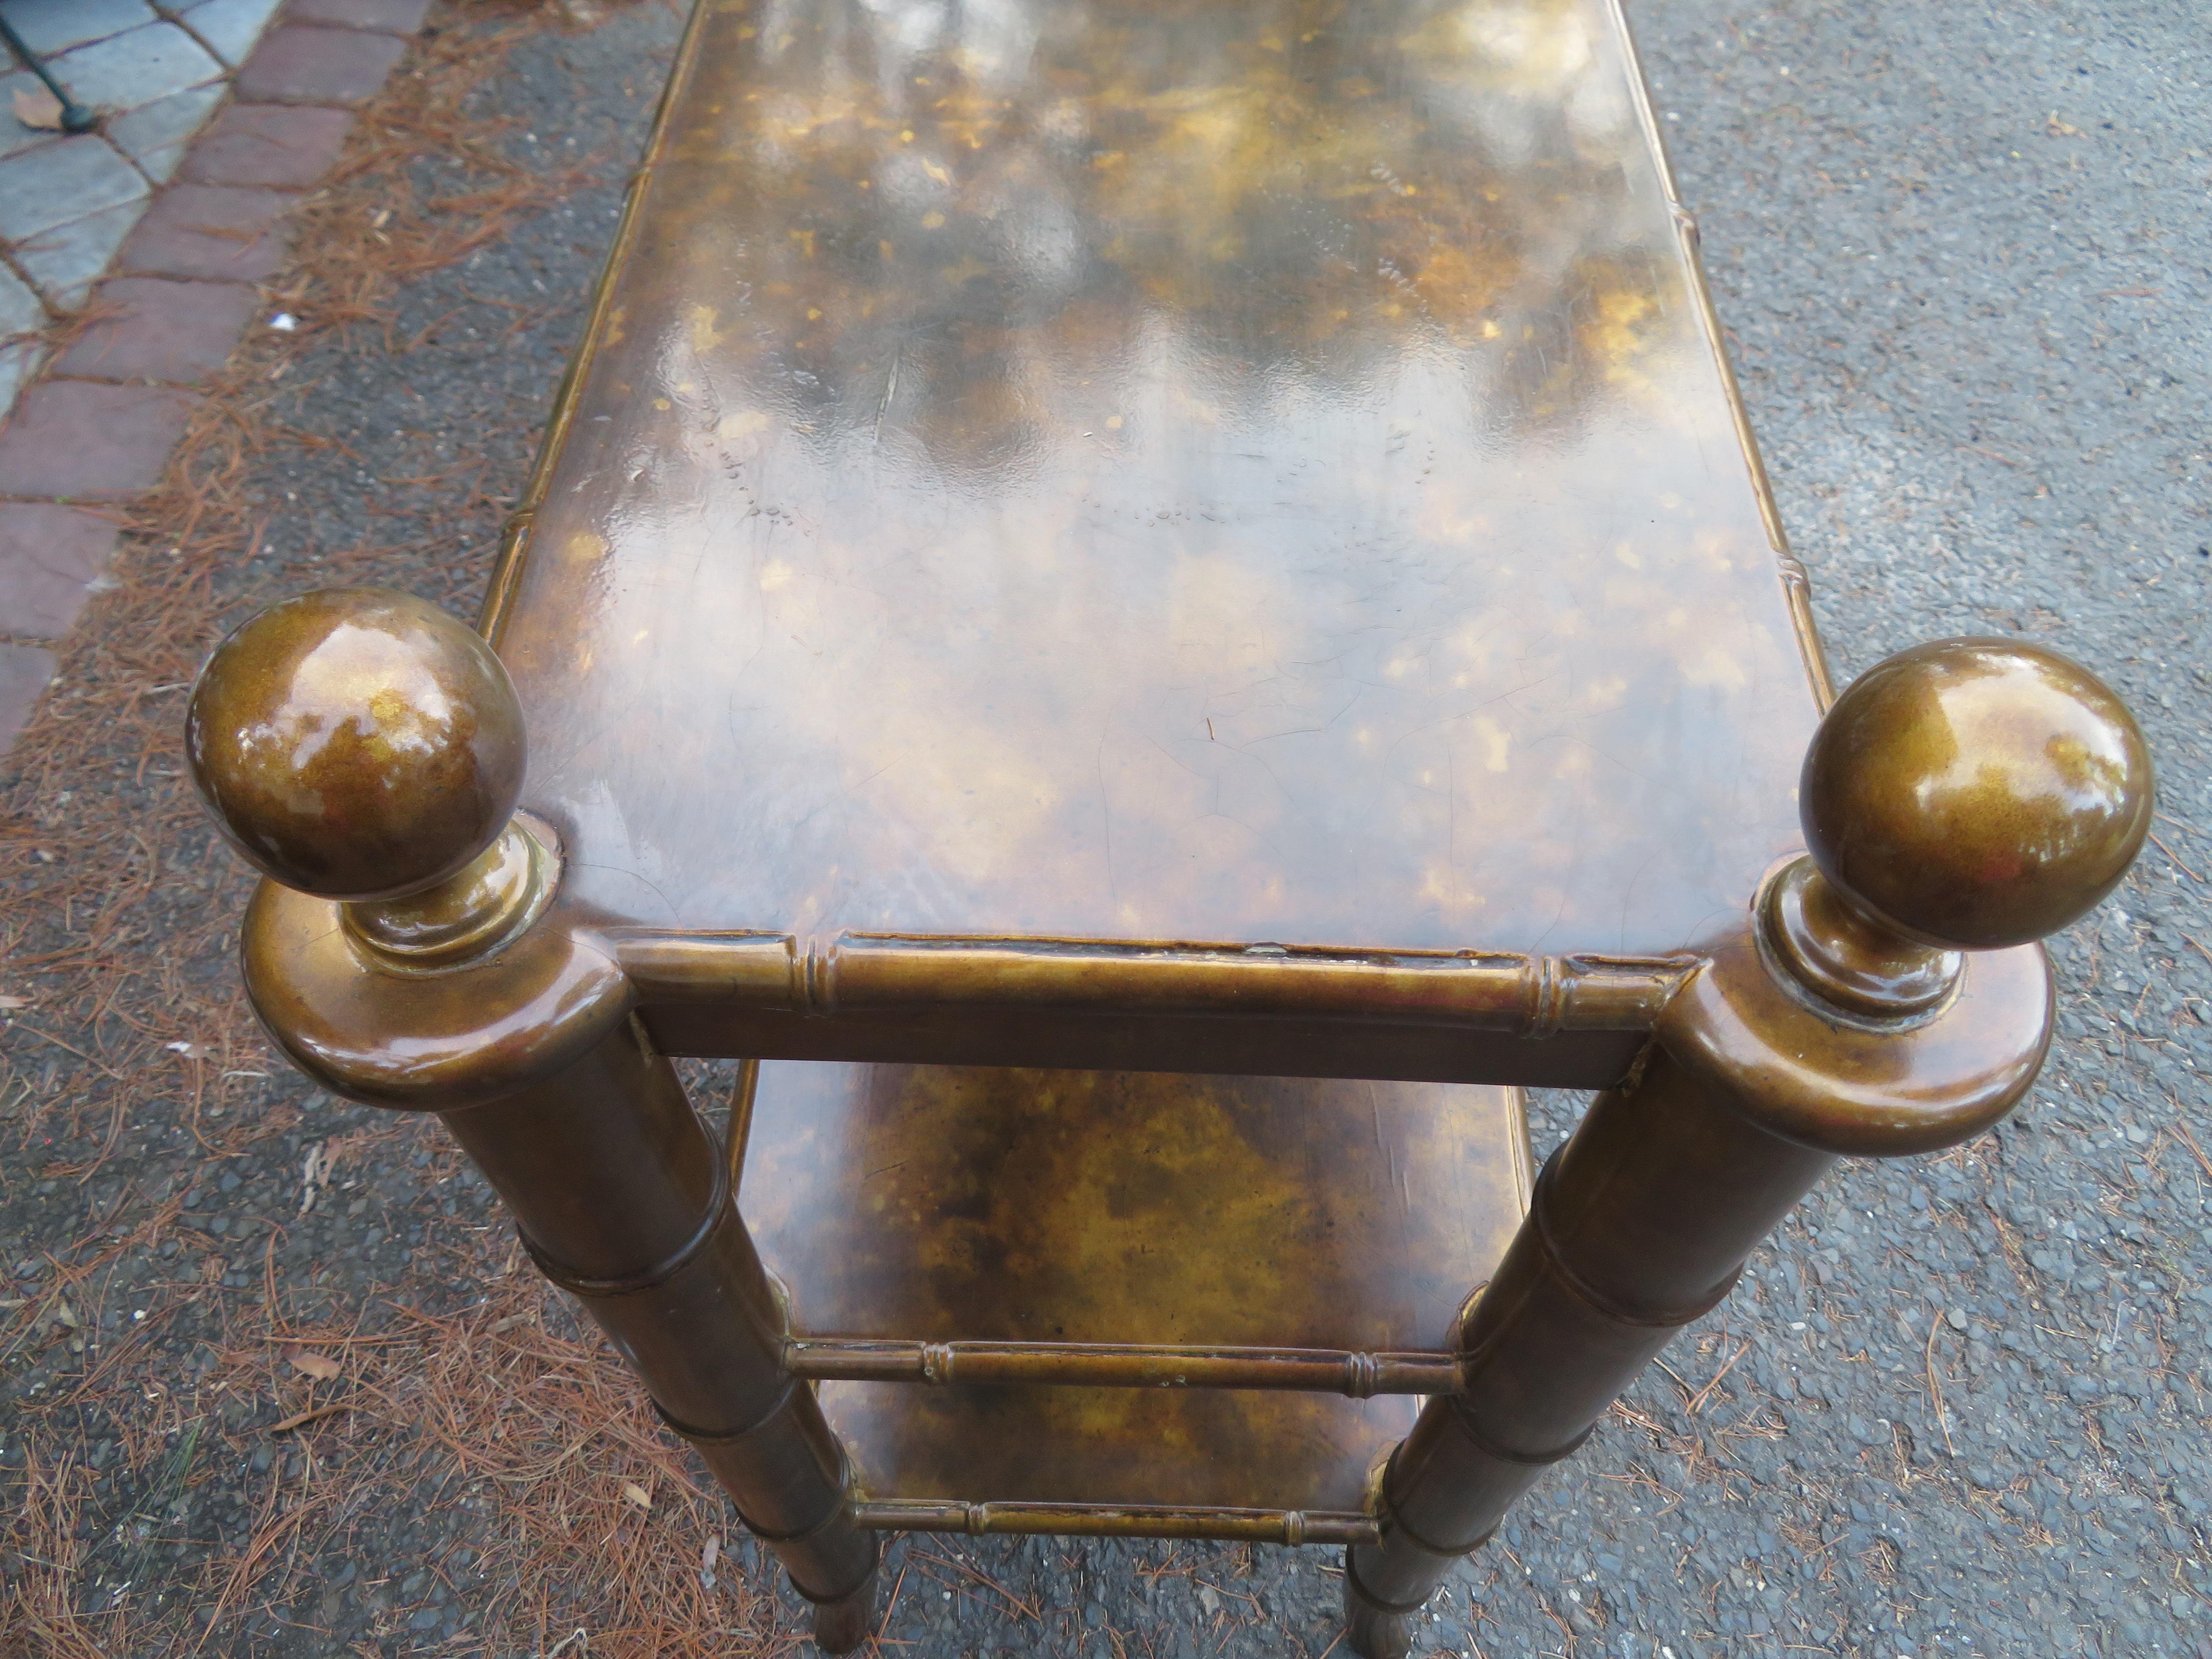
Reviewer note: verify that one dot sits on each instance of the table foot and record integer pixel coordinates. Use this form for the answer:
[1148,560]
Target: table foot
[842,1626]
[1370,1631]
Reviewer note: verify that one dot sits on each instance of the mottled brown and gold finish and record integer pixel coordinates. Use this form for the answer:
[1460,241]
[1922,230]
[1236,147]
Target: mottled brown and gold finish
[1232,1288]
[1146,610]
[1257,473]
[357,744]
[1977,794]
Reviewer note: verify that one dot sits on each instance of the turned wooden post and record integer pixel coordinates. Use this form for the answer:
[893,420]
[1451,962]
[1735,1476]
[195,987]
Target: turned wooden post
[409,950]
[1884,996]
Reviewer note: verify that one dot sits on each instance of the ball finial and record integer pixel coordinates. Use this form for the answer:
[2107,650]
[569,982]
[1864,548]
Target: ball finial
[1976,793]
[357,743]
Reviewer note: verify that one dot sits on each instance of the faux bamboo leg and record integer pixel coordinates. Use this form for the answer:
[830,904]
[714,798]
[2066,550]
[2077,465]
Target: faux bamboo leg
[1641,1222]
[624,1200]
[1883,997]
[1638,1226]
[410,951]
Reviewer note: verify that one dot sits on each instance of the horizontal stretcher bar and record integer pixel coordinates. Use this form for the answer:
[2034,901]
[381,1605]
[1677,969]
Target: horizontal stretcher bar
[1536,996]
[1107,1365]
[1120,1520]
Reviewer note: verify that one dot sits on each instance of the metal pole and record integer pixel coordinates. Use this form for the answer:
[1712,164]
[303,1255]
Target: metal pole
[75,118]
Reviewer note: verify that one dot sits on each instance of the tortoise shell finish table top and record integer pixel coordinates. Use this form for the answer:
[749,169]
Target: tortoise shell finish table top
[1240,473]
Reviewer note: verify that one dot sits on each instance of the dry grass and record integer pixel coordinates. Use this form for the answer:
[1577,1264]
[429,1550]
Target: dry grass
[116,932]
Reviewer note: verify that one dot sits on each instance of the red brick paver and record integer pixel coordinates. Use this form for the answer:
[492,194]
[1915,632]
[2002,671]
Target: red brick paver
[393,16]
[302,66]
[101,423]
[219,231]
[158,330]
[24,671]
[82,439]
[49,555]
[285,146]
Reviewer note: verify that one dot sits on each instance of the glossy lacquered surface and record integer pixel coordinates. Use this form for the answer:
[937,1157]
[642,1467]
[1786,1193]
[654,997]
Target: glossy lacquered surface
[357,743]
[939,1204]
[438,1042]
[1978,794]
[1244,472]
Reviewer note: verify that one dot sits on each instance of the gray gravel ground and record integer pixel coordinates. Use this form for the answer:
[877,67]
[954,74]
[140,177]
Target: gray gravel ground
[1958,1406]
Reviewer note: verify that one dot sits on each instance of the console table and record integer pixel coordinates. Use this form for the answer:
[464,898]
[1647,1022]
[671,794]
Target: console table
[1149,611]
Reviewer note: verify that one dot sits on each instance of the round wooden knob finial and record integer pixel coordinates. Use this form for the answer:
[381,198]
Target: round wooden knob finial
[357,743]
[1976,793]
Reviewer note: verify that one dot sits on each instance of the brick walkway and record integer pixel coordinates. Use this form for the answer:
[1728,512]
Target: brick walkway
[186,214]
[67,202]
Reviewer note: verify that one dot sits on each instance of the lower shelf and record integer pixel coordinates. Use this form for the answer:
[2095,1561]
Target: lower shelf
[939,1204]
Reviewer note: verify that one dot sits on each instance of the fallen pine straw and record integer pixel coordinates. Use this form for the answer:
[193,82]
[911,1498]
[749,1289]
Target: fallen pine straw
[316,1415]
[117,935]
